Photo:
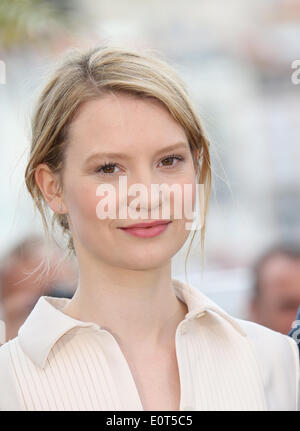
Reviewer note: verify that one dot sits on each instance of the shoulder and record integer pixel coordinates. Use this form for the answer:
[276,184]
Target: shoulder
[269,341]
[9,397]
[278,360]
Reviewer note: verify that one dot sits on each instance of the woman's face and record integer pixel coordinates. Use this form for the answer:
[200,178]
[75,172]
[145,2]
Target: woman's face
[140,133]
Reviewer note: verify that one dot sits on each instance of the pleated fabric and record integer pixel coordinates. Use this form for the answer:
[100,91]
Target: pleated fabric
[60,363]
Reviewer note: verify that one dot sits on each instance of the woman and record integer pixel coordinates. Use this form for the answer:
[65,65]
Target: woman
[131,338]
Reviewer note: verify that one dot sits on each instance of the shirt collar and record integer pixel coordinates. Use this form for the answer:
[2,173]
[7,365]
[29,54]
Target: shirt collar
[47,322]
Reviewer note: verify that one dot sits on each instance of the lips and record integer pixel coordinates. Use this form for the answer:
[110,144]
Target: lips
[147,230]
[145,225]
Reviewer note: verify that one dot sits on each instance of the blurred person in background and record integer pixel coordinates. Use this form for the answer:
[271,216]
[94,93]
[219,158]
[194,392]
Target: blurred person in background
[276,289]
[23,281]
[295,331]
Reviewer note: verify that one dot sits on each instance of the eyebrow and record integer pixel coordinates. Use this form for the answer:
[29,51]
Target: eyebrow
[125,156]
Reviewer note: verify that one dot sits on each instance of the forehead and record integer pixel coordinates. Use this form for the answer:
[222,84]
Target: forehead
[281,264]
[120,119]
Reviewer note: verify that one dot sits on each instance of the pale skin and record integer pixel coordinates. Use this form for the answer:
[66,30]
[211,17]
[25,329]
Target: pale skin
[124,282]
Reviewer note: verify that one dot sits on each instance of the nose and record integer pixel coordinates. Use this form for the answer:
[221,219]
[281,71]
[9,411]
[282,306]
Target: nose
[149,200]
[142,195]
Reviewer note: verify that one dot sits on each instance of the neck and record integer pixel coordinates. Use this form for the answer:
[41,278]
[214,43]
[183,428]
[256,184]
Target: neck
[139,308]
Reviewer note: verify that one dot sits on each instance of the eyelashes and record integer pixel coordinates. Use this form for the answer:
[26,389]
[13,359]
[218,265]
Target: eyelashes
[173,157]
[106,166]
[111,165]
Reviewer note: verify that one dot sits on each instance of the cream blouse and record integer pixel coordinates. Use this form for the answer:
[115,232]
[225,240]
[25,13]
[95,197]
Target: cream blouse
[59,363]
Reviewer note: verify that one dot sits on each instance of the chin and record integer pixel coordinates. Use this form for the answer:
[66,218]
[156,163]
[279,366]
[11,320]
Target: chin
[143,266]
[147,258]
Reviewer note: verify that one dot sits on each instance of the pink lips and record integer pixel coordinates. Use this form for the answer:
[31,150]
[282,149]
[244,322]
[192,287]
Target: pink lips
[147,230]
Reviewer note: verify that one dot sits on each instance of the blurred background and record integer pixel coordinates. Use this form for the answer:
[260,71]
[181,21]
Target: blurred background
[236,58]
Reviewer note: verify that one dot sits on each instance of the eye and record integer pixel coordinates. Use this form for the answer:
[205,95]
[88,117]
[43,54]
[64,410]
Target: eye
[106,169]
[170,159]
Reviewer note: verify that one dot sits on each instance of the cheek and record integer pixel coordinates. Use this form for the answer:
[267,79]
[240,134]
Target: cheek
[82,202]
[184,202]
[189,194]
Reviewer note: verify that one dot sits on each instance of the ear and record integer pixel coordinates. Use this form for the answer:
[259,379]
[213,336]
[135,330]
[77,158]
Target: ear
[197,154]
[48,183]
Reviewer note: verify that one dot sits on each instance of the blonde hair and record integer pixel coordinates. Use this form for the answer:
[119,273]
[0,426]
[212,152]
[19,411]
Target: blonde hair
[87,74]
